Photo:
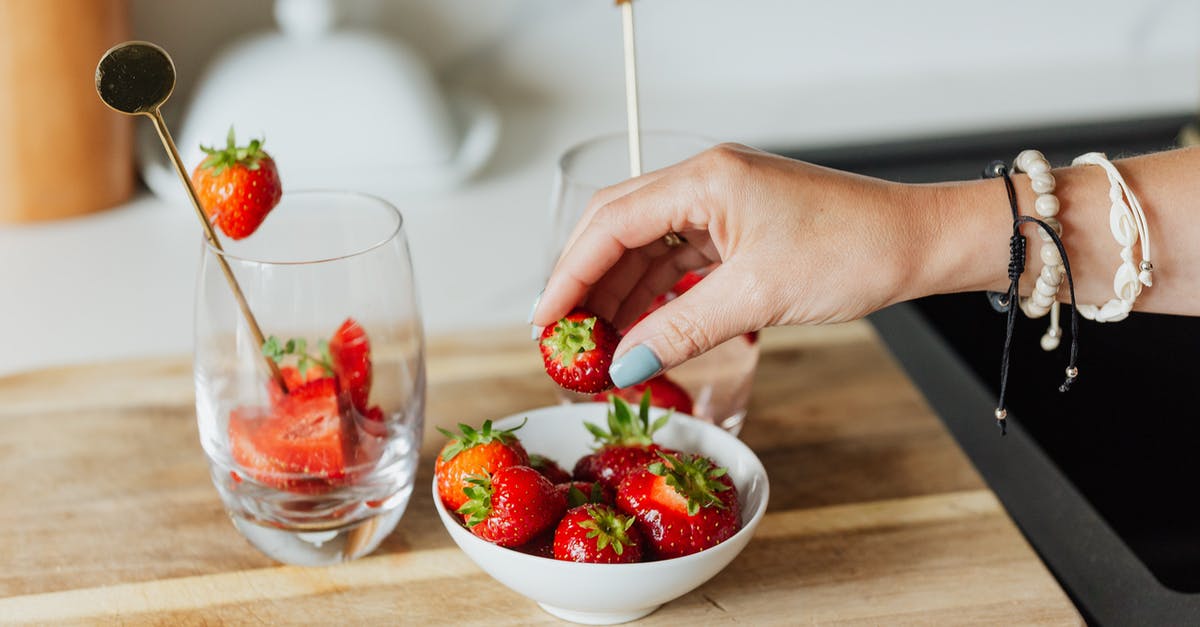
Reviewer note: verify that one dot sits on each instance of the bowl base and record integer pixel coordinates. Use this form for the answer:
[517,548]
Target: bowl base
[597,618]
[320,548]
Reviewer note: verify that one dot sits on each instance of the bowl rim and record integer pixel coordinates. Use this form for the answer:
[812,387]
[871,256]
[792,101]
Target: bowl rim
[748,526]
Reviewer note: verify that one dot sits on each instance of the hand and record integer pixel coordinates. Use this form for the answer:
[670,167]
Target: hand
[793,243]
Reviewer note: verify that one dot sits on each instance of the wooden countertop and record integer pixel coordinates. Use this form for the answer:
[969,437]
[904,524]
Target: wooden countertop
[875,514]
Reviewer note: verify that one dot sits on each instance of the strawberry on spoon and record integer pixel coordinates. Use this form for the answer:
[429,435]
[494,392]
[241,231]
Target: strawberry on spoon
[237,186]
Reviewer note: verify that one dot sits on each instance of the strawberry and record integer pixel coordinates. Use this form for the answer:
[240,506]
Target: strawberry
[684,504]
[578,350]
[597,534]
[582,492]
[304,434]
[350,354]
[625,447]
[685,283]
[237,186]
[542,545]
[549,468]
[664,393]
[512,506]
[474,452]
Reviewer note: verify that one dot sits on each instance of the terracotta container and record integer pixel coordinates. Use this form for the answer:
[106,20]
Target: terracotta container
[62,152]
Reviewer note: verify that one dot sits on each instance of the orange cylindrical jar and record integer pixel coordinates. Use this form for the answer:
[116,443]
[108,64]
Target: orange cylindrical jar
[62,152]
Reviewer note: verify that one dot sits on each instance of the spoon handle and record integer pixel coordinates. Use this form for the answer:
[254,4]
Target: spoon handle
[160,125]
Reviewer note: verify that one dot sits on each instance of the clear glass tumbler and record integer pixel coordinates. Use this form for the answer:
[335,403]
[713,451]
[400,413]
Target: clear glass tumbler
[319,468]
[716,385]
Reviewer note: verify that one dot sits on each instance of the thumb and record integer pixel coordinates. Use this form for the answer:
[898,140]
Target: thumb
[718,308]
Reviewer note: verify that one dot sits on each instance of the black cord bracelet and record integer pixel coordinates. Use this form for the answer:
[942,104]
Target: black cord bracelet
[1007,302]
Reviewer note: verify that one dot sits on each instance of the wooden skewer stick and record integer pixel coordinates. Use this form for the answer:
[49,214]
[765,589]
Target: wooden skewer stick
[631,90]
[672,239]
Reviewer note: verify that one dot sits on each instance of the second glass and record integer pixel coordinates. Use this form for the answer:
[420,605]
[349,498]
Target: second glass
[316,468]
[716,385]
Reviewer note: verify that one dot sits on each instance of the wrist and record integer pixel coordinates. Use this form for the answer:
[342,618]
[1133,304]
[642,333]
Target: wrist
[963,237]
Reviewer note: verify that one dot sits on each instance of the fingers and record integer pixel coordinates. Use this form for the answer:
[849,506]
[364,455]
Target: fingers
[626,223]
[606,195]
[718,308]
[660,276]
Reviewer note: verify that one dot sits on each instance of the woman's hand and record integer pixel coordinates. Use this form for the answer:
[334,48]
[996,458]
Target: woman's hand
[793,243]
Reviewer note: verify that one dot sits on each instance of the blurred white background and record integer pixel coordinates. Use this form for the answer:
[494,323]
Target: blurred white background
[773,73]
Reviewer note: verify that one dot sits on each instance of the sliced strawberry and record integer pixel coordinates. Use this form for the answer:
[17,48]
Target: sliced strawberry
[578,350]
[350,351]
[303,445]
[664,393]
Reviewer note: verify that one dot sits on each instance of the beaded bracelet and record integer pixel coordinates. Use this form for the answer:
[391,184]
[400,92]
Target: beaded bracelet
[1045,291]
[1003,302]
[1128,224]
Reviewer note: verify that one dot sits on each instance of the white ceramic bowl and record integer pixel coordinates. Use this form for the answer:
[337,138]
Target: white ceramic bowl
[605,594]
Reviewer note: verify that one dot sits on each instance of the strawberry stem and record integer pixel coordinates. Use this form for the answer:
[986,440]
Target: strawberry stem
[624,429]
[470,437]
[607,527]
[479,494]
[571,338]
[694,477]
[219,159]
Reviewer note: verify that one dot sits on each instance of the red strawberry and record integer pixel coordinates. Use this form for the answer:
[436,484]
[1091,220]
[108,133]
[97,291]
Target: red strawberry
[474,453]
[305,434]
[237,186]
[664,393]
[625,447]
[751,337]
[512,506]
[597,534]
[582,492]
[686,282]
[684,504]
[350,352]
[578,350]
[549,468]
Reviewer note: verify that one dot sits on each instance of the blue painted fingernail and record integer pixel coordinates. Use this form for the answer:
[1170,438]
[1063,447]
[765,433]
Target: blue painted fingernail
[533,309]
[634,367]
[535,332]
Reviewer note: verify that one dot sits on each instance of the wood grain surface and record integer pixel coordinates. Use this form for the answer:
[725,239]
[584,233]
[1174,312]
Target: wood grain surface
[875,515]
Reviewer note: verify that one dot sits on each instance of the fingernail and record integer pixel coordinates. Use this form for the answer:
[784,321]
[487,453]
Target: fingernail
[634,367]
[533,309]
[535,332]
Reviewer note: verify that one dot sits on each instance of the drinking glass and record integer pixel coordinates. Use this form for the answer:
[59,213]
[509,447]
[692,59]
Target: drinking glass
[320,473]
[718,382]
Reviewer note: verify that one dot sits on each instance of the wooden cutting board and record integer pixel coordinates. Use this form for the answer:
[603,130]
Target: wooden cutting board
[875,515]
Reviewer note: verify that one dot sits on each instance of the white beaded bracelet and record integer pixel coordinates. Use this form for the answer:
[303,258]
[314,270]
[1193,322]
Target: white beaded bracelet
[1045,291]
[1127,222]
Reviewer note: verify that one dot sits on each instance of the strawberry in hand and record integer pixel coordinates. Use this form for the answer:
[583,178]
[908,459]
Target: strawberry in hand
[627,446]
[684,504]
[597,534]
[237,186]
[475,452]
[512,506]
[578,350]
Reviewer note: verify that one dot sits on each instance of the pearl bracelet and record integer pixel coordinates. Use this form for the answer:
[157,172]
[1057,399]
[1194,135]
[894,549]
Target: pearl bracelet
[1045,292]
[1127,222]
